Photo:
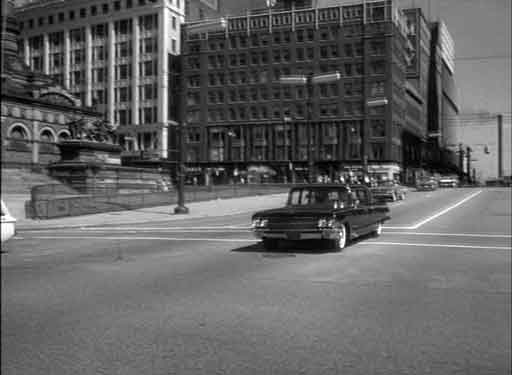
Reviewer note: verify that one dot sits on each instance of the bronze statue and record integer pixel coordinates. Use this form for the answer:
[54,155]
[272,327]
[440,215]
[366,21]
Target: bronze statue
[96,131]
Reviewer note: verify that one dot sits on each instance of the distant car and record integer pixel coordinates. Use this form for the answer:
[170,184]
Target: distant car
[448,181]
[426,184]
[8,224]
[326,212]
[389,190]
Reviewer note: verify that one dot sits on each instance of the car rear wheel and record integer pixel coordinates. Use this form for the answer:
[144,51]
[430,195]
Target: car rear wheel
[341,240]
[270,243]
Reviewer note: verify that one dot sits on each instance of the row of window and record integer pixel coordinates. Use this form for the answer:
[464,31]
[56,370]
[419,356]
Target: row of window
[98,32]
[283,37]
[93,10]
[19,132]
[99,53]
[281,56]
[99,75]
[285,92]
[349,150]
[262,76]
[277,111]
[147,115]
[375,12]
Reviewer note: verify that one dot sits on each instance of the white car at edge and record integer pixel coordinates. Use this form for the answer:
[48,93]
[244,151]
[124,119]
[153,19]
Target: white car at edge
[8,224]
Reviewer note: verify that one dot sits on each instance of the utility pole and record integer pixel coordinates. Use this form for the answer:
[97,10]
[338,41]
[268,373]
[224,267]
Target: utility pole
[309,125]
[181,208]
[461,160]
[468,162]
[500,149]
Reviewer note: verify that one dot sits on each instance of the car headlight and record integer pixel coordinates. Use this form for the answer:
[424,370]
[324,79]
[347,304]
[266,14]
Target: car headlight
[325,223]
[259,223]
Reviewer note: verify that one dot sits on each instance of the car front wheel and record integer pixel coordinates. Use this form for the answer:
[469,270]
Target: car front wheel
[341,240]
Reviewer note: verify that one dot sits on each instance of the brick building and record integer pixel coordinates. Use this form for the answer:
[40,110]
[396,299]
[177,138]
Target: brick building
[240,115]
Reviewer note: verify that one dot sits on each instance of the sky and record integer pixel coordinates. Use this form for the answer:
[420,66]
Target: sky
[482,34]
[481,30]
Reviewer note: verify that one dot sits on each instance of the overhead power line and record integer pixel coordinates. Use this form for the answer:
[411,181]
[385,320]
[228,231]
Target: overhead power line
[490,57]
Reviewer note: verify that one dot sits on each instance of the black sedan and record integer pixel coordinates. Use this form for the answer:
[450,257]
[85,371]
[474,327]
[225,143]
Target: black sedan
[331,213]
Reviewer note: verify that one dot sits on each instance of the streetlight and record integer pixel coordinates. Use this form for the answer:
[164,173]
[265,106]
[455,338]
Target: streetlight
[201,27]
[308,81]
[181,208]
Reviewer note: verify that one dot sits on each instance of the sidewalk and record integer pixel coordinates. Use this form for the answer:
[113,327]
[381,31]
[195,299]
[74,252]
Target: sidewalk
[213,208]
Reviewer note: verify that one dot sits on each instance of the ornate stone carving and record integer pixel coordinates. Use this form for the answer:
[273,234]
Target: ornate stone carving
[97,131]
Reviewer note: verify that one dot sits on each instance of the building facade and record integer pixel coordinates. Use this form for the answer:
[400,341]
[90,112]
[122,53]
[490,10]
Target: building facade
[35,111]
[241,115]
[113,55]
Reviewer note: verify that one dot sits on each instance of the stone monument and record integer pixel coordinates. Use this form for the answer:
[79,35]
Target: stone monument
[91,163]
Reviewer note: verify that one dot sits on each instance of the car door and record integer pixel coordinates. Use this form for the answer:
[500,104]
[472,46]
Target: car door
[363,213]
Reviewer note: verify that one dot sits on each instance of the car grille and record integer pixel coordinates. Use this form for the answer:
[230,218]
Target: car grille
[292,223]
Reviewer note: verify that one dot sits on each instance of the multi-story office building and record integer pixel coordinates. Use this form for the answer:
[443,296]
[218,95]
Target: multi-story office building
[113,55]
[443,114]
[240,114]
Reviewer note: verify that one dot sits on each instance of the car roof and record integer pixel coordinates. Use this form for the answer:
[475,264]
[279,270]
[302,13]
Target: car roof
[319,185]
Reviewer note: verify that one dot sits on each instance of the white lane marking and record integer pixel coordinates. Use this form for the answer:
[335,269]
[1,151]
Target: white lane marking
[143,238]
[212,228]
[452,234]
[436,215]
[238,240]
[392,227]
[439,245]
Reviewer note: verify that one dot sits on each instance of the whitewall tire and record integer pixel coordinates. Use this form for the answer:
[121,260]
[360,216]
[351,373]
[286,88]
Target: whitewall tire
[341,240]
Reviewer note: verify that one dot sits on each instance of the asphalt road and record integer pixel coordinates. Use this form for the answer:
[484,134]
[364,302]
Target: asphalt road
[432,295]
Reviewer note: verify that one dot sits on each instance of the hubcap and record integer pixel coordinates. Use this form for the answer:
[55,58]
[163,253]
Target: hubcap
[342,237]
[379,229]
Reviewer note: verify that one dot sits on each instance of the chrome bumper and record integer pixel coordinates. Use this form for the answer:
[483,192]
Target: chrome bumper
[324,234]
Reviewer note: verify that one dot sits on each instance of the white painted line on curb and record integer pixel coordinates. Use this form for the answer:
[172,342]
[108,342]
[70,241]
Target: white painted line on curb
[452,234]
[402,228]
[187,229]
[439,245]
[143,238]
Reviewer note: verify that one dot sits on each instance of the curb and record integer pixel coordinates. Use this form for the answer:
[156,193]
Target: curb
[20,227]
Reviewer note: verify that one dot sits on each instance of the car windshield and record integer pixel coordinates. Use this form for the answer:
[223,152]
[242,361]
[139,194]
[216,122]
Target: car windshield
[387,184]
[317,196]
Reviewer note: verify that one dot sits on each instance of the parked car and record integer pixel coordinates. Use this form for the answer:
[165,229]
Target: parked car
[389,190]
[8,223]
[426,184]
[448,181]
[332,213]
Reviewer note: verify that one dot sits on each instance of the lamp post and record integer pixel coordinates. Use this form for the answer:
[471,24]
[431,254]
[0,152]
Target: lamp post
[201,27]
[180,172]
[309,81]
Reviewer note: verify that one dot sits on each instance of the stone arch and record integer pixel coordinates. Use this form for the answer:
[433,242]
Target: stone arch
[63,135]
[47,135]
[56,95]
[20,131]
